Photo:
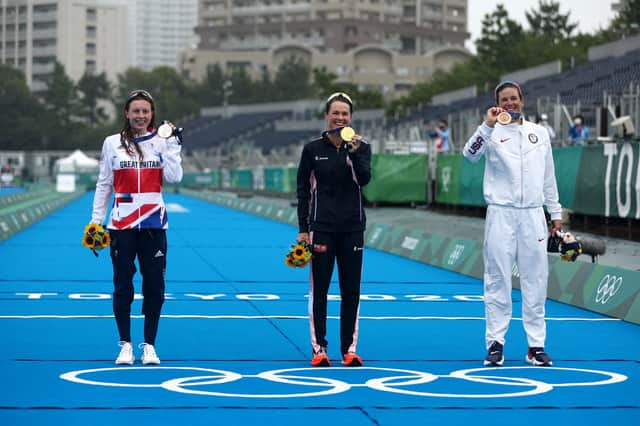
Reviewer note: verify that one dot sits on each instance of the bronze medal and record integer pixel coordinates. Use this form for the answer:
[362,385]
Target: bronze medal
[504,118]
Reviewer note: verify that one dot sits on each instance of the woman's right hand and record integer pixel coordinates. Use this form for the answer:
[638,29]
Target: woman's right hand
[303,236]
[492,116]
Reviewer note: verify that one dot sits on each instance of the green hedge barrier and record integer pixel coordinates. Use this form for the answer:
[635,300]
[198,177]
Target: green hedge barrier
[19,215]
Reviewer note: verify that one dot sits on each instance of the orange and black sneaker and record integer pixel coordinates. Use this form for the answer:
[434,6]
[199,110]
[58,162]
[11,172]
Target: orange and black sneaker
[320,358]
[351,359]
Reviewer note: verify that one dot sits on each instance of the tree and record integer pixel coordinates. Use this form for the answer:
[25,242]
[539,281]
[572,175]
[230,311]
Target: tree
[243,90]
[211,91]
[505,47]
[22,116]
[131,79]
[292,80]
[549,23]
[369,99]
[60,97]
[175,98]
[498,44]
[324,82]
[627,23]
[265,87]
[93,88]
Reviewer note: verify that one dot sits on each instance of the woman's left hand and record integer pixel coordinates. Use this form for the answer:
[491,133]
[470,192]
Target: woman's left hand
[355,143]
[173,126]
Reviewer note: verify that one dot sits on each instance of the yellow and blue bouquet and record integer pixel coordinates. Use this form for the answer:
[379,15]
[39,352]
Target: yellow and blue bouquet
[298,256]
[95,238]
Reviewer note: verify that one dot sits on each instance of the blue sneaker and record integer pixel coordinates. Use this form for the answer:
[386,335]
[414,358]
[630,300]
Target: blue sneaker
[537,356]
[495,355]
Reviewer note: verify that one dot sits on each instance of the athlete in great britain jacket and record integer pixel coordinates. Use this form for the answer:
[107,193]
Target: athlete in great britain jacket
[137,182]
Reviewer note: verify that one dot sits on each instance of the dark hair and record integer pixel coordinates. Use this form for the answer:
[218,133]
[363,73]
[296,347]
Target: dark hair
[338,96]
[507,83]
[126,134]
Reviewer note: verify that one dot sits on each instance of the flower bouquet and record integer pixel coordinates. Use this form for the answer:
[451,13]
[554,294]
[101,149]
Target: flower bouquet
[298,256]
[95,238]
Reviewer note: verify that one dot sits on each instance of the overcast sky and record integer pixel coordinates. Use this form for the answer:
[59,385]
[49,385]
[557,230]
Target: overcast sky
[590,14]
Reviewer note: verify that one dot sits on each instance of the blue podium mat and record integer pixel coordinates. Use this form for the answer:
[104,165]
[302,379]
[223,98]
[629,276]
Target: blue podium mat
[234,339]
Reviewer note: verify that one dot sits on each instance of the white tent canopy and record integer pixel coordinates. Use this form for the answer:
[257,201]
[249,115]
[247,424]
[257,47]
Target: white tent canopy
[77,162]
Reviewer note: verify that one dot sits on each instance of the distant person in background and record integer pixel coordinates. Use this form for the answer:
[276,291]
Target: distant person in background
[133,165]
[544,122]
[519,178]
[331,219]
[578,132]
[6,176]
[442,135]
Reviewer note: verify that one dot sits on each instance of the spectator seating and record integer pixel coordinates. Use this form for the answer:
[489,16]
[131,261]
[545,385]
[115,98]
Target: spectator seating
[584,83]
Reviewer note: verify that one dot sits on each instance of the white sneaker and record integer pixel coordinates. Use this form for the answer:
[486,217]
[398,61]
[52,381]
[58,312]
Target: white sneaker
[149,355]
[126,354]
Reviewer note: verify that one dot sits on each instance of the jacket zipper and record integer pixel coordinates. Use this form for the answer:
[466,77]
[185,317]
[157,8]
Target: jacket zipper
[520,139]
[137,155]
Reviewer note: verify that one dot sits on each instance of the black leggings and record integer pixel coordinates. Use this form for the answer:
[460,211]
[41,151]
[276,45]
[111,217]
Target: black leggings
[345,249]
[150,246]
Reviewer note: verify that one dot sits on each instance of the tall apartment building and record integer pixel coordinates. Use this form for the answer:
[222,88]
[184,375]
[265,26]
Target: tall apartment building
[159,30]
[94,35]
[333,26]
[386,44]
[82,35]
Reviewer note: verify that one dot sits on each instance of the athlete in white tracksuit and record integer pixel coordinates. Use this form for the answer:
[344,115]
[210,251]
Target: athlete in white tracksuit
[519,179]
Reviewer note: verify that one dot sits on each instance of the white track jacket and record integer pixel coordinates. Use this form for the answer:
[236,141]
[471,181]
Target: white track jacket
[137,183]
[519,170]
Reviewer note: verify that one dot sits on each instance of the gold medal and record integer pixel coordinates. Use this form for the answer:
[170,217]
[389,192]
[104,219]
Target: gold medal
[347,134]
[504,118]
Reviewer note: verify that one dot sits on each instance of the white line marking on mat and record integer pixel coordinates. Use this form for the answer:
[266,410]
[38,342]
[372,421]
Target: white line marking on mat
[304,317]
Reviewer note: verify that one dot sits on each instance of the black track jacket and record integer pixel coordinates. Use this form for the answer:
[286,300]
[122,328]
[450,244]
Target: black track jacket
[330,182]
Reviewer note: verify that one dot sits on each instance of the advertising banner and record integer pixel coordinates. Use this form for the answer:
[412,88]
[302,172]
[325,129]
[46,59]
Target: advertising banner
[397,178]
[448,174]
[566,162]
[471,178]
[608,182]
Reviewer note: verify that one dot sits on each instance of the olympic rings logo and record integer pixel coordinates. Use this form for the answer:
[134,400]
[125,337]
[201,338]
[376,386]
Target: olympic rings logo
[607,288]
[395,381]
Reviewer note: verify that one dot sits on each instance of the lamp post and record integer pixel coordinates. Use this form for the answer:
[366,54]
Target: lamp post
[226,91]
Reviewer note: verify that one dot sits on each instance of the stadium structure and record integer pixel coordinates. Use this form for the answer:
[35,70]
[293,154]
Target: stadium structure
[603,90]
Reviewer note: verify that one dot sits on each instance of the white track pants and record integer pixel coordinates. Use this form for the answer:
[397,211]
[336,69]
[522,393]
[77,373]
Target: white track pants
[515,237]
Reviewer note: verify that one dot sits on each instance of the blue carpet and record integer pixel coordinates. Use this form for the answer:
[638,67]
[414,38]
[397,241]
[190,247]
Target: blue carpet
[235,348]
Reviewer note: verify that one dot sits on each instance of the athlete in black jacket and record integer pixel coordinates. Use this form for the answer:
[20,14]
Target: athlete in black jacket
[331,218]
